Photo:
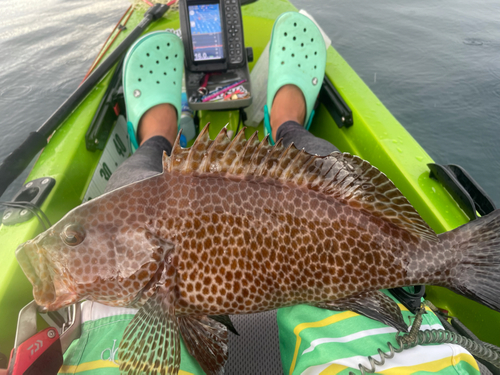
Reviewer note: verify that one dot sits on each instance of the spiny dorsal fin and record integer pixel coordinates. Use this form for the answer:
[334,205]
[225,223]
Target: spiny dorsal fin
[259,154]
[178,157]
[212,163]
[245,155]
[345,177]
[198,151]
[233,151]
[284,159]
[270,161]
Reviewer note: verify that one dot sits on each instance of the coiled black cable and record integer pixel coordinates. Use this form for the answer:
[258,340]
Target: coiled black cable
[486,351]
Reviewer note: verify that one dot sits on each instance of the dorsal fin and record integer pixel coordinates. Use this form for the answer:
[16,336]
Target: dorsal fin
[212,161]
[270,161]
[198,151]
[178,156]
[245,155]
[233,151]
[284,160]
[259,154]
[345,177]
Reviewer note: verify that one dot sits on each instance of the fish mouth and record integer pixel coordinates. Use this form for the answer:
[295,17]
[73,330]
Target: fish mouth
[51,289]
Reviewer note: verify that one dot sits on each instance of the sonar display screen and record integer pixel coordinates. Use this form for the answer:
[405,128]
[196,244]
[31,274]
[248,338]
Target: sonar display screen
[206,32]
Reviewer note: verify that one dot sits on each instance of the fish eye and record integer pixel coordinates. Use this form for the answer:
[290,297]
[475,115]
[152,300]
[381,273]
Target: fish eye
[73,235]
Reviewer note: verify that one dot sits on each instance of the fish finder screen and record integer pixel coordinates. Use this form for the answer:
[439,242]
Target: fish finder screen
[206,32]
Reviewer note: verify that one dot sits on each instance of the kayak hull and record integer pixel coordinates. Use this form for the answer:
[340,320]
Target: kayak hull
[376,136]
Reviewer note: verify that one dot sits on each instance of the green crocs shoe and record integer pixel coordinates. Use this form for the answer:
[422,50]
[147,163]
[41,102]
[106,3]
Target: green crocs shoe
[152,75]
[297,56]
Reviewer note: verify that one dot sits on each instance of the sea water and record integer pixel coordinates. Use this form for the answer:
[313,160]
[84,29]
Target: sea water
[435,66]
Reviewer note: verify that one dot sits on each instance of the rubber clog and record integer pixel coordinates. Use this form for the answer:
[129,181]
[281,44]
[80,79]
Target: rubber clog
[152,75]
[297,55]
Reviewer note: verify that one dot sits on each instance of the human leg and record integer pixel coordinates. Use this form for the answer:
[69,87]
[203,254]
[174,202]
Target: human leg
[287,122]
[297,60]
[152,84]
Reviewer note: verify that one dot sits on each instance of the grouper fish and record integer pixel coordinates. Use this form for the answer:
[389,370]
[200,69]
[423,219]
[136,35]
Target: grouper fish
[237,227]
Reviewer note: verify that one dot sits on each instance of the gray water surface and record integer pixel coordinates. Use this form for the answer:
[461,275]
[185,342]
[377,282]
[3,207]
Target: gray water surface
[435,65]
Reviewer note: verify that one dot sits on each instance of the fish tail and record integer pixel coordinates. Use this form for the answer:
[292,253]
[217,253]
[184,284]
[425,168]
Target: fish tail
[476,248]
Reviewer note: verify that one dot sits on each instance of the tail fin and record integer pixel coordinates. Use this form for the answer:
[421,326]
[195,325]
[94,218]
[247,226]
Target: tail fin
[477,249]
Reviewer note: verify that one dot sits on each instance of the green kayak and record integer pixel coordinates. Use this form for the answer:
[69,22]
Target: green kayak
[80,172]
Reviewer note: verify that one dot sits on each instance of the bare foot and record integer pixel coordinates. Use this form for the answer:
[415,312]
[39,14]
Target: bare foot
[159,120]
[288,105]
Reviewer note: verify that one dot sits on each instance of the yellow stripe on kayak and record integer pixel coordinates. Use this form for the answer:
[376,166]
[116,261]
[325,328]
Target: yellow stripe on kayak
[94,365]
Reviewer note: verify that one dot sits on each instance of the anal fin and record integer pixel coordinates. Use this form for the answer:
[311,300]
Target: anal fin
[224,319]
[206,341]
[373,304]
[151,344]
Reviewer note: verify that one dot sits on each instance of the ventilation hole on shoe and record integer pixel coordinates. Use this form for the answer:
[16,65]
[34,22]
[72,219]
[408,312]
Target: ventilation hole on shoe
[315,52]
[286,34]
[293,54]
[175,56]
[158,82]
[166,57]
[142,66]
[175,69]
[164,73]
[150,72]
[314,66]
[157,62]
[299,65]
[302,44]
[157,47]
[283,48]
[147,54]
[306,56]
[168,44]
[312,39]
[295,24]
[305,29]
[140,80]
[174,82]
[282,63]
[294,38]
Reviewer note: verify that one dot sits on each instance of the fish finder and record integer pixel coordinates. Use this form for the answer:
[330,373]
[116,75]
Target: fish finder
[215,54]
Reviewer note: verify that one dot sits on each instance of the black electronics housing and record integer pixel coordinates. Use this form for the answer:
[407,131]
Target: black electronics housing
[219,50]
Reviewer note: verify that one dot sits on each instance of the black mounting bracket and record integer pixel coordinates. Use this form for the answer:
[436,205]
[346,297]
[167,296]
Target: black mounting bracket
[467,193]
[33,193]
[335,104]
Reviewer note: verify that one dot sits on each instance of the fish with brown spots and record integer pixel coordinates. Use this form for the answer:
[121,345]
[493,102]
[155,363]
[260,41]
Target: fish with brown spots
[236,227]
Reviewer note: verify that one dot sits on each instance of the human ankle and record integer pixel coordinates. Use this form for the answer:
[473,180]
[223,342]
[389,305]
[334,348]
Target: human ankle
[288,105]
[158,120]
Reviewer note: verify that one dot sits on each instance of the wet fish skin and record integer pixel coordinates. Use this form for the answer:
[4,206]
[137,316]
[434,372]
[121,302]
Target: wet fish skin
[242,227]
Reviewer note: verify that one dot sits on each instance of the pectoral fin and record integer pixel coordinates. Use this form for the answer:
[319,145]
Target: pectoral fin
[372,304]
[151,344]
[206,341]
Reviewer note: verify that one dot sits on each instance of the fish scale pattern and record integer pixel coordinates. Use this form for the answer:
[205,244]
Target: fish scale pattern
[235,227]
[258,213]
[247,226]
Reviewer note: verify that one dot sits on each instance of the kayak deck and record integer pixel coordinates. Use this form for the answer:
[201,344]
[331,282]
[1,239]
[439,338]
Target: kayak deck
[376,136]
